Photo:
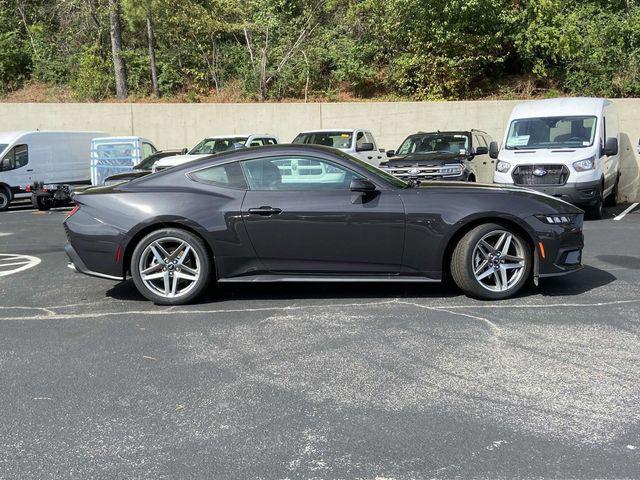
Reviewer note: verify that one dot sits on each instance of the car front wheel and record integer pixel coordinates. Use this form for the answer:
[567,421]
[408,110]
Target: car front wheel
[171,266]
[491,262]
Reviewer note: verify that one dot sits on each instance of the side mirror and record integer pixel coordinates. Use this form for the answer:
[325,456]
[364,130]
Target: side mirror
[391,153]
[494,150]
[184,151]
[611,147]
[481,151]
[365,147]
[362,185]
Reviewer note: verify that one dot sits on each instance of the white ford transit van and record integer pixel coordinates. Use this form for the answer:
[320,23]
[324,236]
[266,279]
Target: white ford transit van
[43,165]
[564,147]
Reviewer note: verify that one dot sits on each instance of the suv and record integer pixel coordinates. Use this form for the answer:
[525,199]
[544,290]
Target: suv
[455,155]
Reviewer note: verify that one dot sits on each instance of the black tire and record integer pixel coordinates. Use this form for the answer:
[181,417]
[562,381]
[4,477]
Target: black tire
[471,179]
[41,203]
[5,199]
[596,212]
[199,250]
[612,199]
[462,263]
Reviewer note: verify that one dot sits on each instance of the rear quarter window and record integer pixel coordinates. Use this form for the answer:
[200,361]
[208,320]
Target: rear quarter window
[229,175]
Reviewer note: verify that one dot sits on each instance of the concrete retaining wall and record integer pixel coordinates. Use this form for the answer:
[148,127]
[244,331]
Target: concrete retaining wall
[183,125]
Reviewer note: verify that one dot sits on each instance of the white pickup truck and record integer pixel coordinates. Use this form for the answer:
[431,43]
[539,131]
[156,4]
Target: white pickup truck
[358,142]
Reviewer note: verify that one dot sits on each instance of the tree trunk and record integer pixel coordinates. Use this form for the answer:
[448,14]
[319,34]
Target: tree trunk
[152,56]
[116,50]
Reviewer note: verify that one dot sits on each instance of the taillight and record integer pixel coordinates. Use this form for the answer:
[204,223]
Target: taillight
[73,211]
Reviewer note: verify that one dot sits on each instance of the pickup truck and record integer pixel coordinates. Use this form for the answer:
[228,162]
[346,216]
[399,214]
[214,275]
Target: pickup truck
[358,142]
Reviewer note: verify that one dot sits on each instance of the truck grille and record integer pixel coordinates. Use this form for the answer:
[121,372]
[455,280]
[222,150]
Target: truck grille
[421,172]
[540,175]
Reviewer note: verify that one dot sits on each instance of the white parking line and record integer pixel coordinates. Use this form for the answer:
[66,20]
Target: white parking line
[21,262]
[621,216]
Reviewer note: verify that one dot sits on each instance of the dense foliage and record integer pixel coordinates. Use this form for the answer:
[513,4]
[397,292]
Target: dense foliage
[329,49]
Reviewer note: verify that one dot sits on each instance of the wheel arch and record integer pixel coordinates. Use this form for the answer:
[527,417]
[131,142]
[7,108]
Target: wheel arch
[465,227]
[147,229]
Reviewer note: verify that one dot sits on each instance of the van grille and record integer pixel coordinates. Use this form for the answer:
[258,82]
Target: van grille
[540,175]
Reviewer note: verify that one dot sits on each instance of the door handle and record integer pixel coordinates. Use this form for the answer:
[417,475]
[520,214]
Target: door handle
[30,170]
[264,211]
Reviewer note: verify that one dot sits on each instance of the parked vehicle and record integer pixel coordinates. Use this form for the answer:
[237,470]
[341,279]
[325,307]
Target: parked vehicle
[45,166]
[565,147]
[218,144]
[246,216]
[143,168]
[112,155]
[358,142]
[455,155]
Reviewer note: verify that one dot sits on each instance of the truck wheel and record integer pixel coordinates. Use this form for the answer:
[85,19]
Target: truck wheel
[40,203]
[5,199]
[612,199]
[491,262]
[596,212]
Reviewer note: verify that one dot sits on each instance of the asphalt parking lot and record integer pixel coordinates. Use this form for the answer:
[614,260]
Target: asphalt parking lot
[318,381]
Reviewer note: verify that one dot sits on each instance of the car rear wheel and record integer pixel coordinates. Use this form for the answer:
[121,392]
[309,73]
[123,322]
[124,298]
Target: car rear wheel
[491,262]
[5,199]
[171,266]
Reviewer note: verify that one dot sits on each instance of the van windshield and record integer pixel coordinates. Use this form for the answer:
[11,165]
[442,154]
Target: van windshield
[551,132]
[3,146]
[216,145]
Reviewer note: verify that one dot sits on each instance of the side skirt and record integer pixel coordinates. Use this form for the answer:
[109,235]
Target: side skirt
[328,278]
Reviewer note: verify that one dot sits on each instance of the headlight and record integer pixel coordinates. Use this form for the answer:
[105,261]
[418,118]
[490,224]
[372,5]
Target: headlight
[585,165]
[451,169]
[502,166]
[557,219]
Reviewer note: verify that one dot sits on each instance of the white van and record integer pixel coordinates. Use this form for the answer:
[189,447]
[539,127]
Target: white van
[217,144]
[114,155]
[564,147]
[43,165]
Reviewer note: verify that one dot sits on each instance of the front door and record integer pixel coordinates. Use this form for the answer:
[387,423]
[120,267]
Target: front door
[302,217]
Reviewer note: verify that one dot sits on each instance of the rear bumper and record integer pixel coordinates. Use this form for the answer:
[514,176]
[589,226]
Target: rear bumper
[76,264]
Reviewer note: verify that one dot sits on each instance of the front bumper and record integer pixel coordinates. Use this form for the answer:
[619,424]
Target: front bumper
[581,194]
[559,247]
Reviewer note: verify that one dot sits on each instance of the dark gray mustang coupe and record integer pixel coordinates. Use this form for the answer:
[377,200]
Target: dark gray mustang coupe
[303,213]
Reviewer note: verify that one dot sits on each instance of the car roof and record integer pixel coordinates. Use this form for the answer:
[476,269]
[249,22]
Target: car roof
[10,136]
[554,107]
[238,135]
[449,132]
[328,130]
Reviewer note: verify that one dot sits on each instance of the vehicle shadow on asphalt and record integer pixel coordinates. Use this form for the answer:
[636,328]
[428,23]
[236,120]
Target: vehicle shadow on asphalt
[587,279]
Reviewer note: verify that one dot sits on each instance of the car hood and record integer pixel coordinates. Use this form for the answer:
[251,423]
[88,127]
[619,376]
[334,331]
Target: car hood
[420,159]
[466,188]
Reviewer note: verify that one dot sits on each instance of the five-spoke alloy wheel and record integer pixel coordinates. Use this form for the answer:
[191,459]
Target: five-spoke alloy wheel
[491,262]
[170,266]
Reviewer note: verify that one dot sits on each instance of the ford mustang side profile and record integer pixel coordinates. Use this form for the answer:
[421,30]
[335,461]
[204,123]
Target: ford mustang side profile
[310,213]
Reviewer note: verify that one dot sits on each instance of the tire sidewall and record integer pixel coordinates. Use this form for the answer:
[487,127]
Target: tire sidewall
[199,247]
[474,286]
[5,199]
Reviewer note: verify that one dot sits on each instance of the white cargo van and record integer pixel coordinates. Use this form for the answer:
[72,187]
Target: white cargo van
[564,147]
[114,155]
[43,165]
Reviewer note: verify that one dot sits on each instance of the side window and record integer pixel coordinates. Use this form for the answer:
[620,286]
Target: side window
[269,141]
[17,157]
[369,138]
[147,150]
[296,173]
[229,175]
[256,142]
[360,139]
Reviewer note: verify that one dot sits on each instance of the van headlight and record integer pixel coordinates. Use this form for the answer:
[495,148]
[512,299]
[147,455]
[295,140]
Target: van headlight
[502,166]
[585,165]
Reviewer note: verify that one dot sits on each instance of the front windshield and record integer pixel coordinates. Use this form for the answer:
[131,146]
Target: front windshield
[551,132]
[328,139]
[435,143]
[216,145]
[379,173]
[147,163]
